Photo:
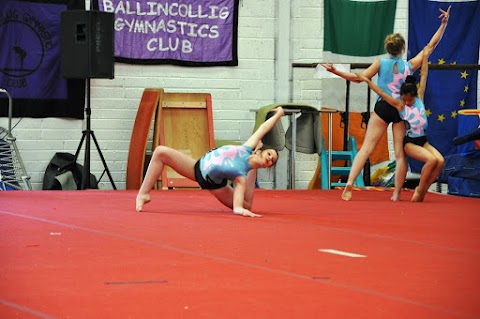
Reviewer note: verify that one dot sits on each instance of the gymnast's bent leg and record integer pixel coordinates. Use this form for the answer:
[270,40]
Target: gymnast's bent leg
[163,155]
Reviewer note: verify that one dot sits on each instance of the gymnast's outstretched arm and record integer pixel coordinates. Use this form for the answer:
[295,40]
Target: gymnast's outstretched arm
[398,104]
[263,129]
[416,61]
[369,72]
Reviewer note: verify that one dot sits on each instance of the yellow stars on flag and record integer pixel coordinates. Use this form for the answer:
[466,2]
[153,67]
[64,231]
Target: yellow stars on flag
[448,115]
[441,117]
[463,75]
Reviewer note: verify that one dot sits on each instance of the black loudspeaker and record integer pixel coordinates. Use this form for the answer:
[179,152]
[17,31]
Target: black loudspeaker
[87,44]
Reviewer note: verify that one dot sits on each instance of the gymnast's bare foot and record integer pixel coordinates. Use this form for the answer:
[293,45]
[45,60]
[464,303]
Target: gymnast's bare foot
[395,197]
[418,195]
[141,200]
[347,192]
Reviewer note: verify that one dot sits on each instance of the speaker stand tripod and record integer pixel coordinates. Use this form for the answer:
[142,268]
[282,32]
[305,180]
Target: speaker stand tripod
[86,135]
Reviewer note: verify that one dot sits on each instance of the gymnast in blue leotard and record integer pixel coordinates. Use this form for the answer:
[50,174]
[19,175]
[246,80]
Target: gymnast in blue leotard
[412,110]
[222,164]
[218,166]
[391,72]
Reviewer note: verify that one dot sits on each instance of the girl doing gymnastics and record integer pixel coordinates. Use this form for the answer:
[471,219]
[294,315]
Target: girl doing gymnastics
[412,109]
[218,166]
[391,72]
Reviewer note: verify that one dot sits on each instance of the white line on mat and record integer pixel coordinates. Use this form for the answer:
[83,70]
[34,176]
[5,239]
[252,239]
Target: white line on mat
[342,253]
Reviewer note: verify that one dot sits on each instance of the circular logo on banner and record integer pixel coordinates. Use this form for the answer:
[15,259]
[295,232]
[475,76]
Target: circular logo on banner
[24,49]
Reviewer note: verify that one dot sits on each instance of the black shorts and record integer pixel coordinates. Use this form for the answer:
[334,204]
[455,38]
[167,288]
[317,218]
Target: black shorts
[387,113]
[420,141]
[204,184]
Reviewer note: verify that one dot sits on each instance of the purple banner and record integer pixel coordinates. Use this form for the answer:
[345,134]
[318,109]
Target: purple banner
[29,63]
[30,60]
[202,32]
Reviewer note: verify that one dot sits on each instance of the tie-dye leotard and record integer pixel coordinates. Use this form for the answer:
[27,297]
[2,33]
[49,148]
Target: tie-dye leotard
[417,122]
[416,119]
[222,164]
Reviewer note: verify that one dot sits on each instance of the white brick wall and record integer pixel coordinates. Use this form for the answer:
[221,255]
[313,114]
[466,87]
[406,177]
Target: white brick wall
[235,91]
[114,103]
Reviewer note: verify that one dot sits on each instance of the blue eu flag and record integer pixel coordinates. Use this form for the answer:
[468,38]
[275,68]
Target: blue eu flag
[447,92]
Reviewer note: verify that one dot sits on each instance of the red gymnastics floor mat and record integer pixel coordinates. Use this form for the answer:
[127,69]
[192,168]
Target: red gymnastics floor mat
[89,254]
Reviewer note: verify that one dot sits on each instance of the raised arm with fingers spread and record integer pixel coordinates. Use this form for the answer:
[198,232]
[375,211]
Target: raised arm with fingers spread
[444,15]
